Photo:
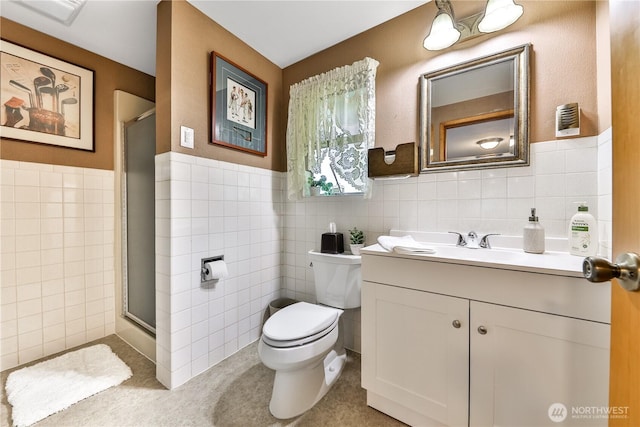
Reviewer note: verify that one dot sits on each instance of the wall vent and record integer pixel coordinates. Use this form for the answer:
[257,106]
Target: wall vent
[568,120]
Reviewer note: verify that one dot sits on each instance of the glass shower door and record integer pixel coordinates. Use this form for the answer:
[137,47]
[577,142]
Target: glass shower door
[139,228]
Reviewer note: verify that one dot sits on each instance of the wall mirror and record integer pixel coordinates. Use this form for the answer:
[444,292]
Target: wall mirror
[476,114]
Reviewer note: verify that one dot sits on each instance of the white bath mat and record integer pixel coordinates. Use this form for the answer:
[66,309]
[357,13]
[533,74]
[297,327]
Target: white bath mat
[48,387]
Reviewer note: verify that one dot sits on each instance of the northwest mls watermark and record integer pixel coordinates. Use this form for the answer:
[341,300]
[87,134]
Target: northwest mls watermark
[558,412]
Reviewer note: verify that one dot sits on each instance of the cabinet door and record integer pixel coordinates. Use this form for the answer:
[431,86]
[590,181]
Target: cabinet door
[528,363]
[413,355]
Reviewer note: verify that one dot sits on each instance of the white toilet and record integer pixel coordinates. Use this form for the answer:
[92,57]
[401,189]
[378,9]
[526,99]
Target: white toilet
[303,342]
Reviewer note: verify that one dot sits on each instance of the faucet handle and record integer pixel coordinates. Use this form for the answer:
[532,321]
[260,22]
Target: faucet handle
[484,242]
[461,241]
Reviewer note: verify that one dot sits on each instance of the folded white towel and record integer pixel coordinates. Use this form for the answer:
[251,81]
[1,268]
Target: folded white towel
[404,245]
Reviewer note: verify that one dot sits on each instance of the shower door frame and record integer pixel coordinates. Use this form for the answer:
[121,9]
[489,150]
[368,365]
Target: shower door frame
[124,236]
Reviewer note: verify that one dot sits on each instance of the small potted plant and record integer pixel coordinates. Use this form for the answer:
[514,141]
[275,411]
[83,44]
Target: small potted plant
[356,240]
[317,185]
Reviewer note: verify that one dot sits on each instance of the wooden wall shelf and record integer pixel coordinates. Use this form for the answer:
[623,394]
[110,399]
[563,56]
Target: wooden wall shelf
[405,163]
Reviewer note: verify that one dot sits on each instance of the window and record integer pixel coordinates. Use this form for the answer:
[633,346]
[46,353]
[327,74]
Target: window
[331,126]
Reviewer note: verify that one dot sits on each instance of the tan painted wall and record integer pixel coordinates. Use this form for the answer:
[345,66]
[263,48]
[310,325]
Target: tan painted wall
[563,66]
[109,75]
[183,76]
[603,38]
[564,63]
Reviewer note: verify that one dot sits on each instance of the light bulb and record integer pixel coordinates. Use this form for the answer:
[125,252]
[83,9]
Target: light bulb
[443,33]
[499,14]
[489,143]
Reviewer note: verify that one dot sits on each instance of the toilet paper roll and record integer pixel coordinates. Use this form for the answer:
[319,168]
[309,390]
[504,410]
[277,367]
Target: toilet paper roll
[216,270]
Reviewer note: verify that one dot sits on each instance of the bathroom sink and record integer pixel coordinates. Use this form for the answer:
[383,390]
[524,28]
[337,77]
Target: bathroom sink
[486,255]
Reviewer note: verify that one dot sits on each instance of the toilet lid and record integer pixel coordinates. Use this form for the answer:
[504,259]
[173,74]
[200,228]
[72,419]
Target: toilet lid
[299,320]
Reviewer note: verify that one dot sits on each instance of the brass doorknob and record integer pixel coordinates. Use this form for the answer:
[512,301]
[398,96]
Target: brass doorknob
[625,270]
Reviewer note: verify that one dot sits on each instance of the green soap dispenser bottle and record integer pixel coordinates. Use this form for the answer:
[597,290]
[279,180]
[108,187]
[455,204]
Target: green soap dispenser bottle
[583,233]
[533,236]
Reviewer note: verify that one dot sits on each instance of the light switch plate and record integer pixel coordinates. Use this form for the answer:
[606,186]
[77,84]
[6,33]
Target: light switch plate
[186,137]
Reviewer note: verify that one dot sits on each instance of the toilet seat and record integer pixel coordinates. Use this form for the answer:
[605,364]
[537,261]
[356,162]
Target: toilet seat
[299,324]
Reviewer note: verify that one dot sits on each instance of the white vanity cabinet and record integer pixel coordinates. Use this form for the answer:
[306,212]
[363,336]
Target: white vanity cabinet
[445,343]
[413,355]
[527,361]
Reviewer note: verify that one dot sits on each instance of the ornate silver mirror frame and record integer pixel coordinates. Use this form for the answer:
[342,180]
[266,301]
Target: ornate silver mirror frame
[476,114]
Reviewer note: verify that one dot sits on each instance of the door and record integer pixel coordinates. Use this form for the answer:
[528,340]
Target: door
[522,362]
[624,389]
[415,351]
[139,264]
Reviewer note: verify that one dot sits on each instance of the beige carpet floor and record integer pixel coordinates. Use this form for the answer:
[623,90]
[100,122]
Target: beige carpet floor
[235,392]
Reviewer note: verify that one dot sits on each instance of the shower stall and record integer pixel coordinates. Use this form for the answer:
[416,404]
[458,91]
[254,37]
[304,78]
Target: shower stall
[139,265]
[134,262]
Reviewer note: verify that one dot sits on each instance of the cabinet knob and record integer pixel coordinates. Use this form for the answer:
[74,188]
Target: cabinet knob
[456,324]
[482,330]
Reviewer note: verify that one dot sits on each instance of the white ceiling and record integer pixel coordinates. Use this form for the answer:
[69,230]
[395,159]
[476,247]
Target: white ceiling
[283,31]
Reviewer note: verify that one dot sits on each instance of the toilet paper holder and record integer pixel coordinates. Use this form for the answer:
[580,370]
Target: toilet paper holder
[203,268]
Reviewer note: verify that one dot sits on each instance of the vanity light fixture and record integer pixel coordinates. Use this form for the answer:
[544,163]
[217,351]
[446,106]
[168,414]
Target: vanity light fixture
[489,143]
[446,30]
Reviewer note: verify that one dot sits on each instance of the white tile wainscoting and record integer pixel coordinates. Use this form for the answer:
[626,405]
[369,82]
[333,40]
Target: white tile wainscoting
[208,208]
[494,200]
[57,242]
[57,259]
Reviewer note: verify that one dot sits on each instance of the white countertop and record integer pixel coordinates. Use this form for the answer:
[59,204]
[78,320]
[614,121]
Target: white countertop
[550,262]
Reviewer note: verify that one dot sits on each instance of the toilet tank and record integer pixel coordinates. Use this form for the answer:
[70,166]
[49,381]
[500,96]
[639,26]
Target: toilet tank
[338,279]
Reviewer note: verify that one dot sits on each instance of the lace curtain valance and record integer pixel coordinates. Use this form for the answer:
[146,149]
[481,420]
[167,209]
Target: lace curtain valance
[332,114]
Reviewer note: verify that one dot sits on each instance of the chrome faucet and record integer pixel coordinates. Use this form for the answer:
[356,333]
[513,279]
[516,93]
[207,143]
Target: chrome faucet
[484,242]
[461,241]
[472,241]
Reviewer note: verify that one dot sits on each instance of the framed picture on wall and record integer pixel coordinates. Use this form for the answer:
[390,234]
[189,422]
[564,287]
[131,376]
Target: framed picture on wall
[44,99]
[238,107]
